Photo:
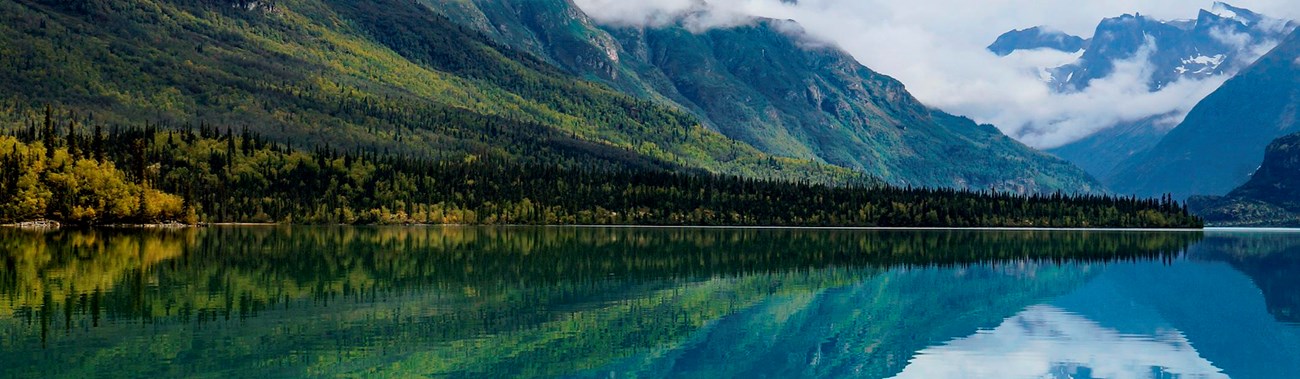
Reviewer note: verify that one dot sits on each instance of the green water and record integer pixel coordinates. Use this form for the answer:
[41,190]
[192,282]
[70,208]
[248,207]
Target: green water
[648,303]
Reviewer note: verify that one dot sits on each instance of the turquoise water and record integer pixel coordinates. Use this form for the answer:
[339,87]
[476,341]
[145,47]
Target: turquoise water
[465,302]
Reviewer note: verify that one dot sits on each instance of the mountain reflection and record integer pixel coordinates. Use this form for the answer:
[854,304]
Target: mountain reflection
[1271,259]
[1203,317]
[524,302]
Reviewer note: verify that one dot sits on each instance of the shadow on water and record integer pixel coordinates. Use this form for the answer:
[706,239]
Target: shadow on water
[524,302]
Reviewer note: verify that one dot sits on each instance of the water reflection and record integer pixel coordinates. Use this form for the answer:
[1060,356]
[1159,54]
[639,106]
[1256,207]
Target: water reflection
[1048,342]
[1270,259]
[865,329]
[1202,317]
[566,302]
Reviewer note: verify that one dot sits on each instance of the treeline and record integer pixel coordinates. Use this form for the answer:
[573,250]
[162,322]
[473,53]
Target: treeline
[76,181]
[88,175]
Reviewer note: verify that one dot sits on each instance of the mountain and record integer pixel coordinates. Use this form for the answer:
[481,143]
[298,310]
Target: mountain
[1270,198]
[1034,38]
[766,83]
[528,80]
[1222,141]
[1099,153]
[1219,42]
[387,75]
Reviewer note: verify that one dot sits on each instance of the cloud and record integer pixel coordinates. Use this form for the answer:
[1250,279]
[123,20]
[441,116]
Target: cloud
[937,48]
[696,15]
[1042,118]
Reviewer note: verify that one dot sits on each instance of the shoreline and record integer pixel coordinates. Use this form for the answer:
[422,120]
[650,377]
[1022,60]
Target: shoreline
[49,226]
[52,225]
[881,228]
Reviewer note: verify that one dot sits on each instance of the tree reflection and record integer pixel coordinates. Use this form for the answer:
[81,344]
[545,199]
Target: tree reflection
[267,265]
[447,300]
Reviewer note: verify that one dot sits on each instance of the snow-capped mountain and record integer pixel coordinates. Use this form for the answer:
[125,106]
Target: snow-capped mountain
[1224,139]
[1218,43]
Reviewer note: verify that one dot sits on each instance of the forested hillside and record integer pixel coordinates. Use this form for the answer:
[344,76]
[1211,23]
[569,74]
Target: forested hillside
[381,75]
[94,175]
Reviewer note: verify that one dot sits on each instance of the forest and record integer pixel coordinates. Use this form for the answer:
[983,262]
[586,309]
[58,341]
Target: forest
[72,170]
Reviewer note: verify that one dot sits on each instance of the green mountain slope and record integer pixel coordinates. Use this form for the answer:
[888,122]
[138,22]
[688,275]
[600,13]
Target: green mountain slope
[768,84]
[1222,140]
[377,75]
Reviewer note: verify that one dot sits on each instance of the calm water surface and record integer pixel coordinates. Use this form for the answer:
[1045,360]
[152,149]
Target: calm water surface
[648,303]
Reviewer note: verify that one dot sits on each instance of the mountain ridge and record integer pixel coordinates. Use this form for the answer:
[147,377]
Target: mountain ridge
[314,72]
[1221,41]
[1222,141]
[766,83]
[1037,37]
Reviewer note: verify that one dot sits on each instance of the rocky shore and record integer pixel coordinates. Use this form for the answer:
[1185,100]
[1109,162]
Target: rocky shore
[36,224]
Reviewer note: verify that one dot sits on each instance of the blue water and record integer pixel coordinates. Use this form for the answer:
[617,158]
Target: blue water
[649,303]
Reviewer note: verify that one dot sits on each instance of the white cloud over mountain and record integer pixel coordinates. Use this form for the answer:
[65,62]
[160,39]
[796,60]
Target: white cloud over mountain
[937,48]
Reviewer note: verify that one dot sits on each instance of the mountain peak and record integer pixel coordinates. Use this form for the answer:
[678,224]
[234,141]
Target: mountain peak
[1038,37]
[1225,10]
[1195,48]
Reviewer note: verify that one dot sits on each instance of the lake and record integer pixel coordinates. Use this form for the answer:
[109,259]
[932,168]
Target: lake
[465,302]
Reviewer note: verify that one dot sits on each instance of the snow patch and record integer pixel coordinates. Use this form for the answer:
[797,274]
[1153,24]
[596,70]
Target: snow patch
[1222,10]
[1216,60]
[1204,64]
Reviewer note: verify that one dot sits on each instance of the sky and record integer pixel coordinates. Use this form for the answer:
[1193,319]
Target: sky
[937,49]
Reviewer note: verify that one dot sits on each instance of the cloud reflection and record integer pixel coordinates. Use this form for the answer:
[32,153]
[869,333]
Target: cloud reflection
[1048,342]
